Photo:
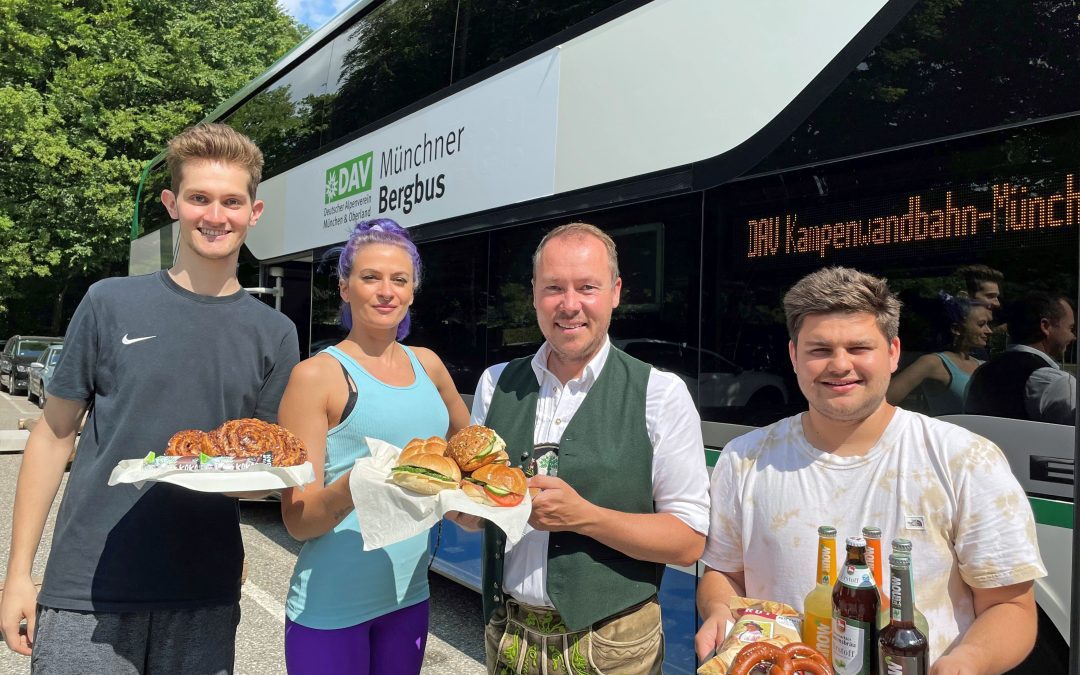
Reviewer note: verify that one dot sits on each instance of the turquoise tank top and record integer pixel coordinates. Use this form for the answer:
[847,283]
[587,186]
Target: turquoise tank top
[336,584]
[949,401]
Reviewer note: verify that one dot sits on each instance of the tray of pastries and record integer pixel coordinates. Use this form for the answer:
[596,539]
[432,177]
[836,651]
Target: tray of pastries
[239,456]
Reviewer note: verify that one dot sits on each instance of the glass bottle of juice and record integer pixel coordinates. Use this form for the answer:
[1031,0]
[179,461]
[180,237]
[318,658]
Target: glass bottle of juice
[903,547]
[903,649]
[817,607]
[855,601]
[872,535]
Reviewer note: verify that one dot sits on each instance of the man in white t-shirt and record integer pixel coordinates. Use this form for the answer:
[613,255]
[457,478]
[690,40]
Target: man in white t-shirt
[617,451]
[853,460]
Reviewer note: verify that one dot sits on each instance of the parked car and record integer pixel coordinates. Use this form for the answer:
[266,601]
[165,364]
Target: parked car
[722,384]
[19,352]
[41,372]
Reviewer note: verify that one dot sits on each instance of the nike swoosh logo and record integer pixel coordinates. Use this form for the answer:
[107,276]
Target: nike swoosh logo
[130,341]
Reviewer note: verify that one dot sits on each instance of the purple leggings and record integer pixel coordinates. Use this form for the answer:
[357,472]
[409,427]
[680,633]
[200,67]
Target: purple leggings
[392,644]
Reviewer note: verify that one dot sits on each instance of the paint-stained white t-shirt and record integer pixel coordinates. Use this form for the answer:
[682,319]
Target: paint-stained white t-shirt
[947,490]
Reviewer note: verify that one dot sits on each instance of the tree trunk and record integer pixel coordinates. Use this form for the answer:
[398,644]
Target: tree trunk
[58,310]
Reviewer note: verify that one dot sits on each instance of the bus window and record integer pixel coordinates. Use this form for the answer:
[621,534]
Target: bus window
[491,31]
[931,222]
[326,328]
[394,56]
[941,72]
[658,257]
[449,312]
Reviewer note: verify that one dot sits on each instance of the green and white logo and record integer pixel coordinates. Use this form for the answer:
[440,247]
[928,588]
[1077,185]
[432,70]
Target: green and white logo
[348,179]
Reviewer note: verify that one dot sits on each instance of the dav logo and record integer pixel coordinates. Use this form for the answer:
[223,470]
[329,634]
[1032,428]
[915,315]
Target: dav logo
[348,179]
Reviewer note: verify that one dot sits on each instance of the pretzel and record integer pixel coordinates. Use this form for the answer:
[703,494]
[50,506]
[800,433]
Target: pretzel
[797,657]
[802,658]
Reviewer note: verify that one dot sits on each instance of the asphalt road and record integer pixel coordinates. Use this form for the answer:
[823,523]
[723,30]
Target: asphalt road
[455,639]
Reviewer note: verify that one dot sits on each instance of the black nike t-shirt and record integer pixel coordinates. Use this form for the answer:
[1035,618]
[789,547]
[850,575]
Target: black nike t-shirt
[154,359]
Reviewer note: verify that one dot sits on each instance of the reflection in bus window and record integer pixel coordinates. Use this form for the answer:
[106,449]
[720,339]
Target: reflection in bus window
[943,71]
[392,57]
[450,319]
[924,218]
[491,30]
[152,214]
[964,330]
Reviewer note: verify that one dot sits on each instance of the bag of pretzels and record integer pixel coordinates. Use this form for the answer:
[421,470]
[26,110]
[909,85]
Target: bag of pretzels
[757,621]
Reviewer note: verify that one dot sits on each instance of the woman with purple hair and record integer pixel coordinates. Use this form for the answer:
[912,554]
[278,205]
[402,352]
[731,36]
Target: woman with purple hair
[349,610]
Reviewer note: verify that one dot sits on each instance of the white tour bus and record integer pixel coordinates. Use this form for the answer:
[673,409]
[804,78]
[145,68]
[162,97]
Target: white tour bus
[728,147]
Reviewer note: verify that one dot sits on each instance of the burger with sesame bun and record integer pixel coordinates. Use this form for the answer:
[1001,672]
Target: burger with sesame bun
[476,445]
[427,473]
[495,485]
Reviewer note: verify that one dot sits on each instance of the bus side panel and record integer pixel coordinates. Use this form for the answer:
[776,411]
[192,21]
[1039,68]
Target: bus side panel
[677,602]
[458,554]
[1052,591]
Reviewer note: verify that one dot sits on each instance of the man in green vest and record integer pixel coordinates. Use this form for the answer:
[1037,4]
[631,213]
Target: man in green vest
[616,450]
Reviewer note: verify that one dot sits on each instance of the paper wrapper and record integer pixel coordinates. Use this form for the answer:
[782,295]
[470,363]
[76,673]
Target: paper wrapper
[388,513]
[138,472]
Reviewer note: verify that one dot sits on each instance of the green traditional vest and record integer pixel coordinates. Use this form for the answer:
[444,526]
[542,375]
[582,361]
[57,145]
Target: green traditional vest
[606,455]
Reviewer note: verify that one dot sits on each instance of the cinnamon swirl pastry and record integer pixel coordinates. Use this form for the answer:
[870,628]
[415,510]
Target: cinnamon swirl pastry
[248,437]
[244,438]
[190,442]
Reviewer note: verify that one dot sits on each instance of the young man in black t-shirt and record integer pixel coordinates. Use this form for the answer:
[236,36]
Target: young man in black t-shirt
[148,580]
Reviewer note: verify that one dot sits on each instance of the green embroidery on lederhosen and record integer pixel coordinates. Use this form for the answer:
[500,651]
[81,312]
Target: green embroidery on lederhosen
[578,663]
[556,658]
[511,652]
[544,623]
[531,657]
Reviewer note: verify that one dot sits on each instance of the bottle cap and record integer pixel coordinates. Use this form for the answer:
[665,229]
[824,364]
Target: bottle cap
[826,531]
[856,541]
[903,545]
[899,560]
[871,532]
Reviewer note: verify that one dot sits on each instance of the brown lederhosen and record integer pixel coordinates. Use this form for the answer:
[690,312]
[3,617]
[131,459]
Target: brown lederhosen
[527,640]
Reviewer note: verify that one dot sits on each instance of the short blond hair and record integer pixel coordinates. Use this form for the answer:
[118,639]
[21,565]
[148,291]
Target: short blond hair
[842,289]
[214,142]
[581,230]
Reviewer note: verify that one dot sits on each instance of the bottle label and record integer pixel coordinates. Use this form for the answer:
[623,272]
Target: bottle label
[852,651]
[902,665]
[827,561]
[817,632]
[856,576]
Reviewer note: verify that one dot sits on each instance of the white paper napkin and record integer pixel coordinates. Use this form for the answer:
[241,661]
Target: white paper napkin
[388,513]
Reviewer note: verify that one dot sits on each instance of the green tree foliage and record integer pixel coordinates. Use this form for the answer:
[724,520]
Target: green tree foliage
[90,91]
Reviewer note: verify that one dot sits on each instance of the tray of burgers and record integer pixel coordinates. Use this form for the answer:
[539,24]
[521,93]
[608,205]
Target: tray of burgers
[239,456]
[403,492]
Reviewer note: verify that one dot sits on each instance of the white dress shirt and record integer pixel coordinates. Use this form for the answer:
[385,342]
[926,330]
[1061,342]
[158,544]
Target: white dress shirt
[679,475]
